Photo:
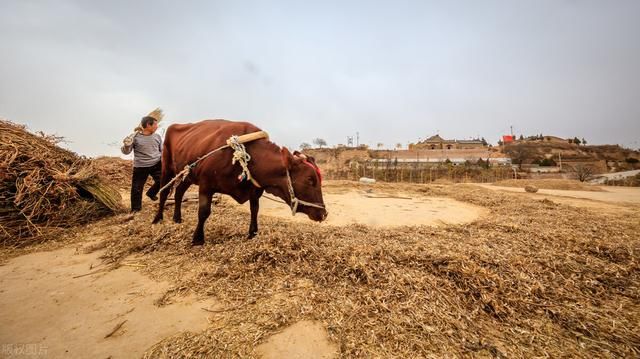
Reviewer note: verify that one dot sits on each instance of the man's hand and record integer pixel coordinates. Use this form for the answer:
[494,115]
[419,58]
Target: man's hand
[128,141]
[127,144]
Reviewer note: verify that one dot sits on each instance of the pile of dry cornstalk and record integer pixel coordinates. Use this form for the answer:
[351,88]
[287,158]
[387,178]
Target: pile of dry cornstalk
[115,170]
[44,188]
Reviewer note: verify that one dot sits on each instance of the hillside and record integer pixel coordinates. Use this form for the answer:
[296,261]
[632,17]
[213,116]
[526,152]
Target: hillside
[607,156]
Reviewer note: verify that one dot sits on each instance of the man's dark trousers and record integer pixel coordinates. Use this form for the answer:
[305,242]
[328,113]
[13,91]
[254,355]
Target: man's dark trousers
[139,178]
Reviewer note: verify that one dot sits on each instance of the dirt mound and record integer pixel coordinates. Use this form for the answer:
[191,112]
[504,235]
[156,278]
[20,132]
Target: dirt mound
[44,188]
[562,184]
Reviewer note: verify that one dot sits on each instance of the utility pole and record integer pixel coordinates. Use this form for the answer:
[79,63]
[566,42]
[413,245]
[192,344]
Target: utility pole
[357,139]
[560,161]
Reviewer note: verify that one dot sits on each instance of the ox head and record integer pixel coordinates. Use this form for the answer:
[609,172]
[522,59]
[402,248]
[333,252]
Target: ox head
[306,184]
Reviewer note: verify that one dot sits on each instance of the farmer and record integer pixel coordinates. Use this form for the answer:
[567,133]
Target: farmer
[147,149]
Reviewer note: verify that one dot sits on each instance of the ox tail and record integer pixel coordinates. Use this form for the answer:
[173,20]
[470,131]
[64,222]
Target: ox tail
[167,163]
[165,176]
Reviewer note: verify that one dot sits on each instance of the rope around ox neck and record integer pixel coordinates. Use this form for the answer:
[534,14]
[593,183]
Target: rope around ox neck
[294,200]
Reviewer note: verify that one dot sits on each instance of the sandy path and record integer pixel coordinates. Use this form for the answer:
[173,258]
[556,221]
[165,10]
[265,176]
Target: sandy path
[621,195]
[45,311]
[383,210]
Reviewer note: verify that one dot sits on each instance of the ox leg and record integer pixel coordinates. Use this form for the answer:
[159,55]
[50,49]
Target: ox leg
[254,202]
[204,210]
[166,177]
[177,210]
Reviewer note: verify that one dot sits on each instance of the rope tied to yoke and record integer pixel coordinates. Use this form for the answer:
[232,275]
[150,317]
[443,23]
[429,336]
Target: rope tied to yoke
[241,156]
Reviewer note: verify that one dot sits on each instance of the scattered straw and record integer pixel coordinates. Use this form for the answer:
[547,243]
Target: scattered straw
[533,278]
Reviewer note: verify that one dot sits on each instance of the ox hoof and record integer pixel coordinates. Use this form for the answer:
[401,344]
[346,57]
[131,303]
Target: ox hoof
[252,234]
[177,220]
[156,220]
[197,242]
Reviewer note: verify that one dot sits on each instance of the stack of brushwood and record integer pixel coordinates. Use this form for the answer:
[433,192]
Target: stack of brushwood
[45,189]
[116,171]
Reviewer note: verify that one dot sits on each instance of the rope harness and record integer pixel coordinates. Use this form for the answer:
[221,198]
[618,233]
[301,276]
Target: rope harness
[241,156]
[295,201]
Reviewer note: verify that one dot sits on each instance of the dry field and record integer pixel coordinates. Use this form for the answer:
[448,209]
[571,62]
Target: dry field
[520,276]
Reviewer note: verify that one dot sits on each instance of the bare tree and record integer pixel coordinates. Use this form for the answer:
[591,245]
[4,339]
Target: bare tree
[380,145]
[319,142]
[583,172]
[398,146]
[304,146]
[518,153]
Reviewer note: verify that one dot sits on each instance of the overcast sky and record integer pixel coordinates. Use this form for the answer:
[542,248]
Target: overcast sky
[393,71]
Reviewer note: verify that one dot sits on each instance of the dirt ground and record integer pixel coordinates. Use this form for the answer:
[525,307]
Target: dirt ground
[70,300]
[307,290]
[50,299]
[65,304]
[383,210]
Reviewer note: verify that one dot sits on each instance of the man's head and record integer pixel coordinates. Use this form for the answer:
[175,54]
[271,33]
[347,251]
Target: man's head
[149,124]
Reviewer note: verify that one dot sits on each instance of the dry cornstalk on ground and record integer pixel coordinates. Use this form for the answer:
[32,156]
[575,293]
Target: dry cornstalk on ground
[44,188]
[532,278]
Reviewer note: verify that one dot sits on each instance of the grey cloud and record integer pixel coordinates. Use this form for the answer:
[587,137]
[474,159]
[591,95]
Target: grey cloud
[393,71]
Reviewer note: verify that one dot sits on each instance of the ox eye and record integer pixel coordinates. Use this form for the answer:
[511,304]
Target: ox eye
[311,180]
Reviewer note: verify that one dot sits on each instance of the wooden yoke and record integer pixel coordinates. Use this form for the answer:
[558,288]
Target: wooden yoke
[250,137]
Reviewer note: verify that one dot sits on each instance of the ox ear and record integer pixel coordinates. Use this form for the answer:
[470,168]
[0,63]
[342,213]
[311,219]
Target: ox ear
[299,155]
[287,157]
[311,159]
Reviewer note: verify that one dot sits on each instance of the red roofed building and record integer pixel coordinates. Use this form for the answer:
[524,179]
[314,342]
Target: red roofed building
[508,138]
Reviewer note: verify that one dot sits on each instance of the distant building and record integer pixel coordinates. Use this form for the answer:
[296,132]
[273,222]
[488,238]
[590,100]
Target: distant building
[493,161]
[429,157]
[438,143]
[508,138]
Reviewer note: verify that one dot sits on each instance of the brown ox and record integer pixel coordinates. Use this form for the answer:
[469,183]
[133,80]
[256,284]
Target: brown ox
[270,166]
